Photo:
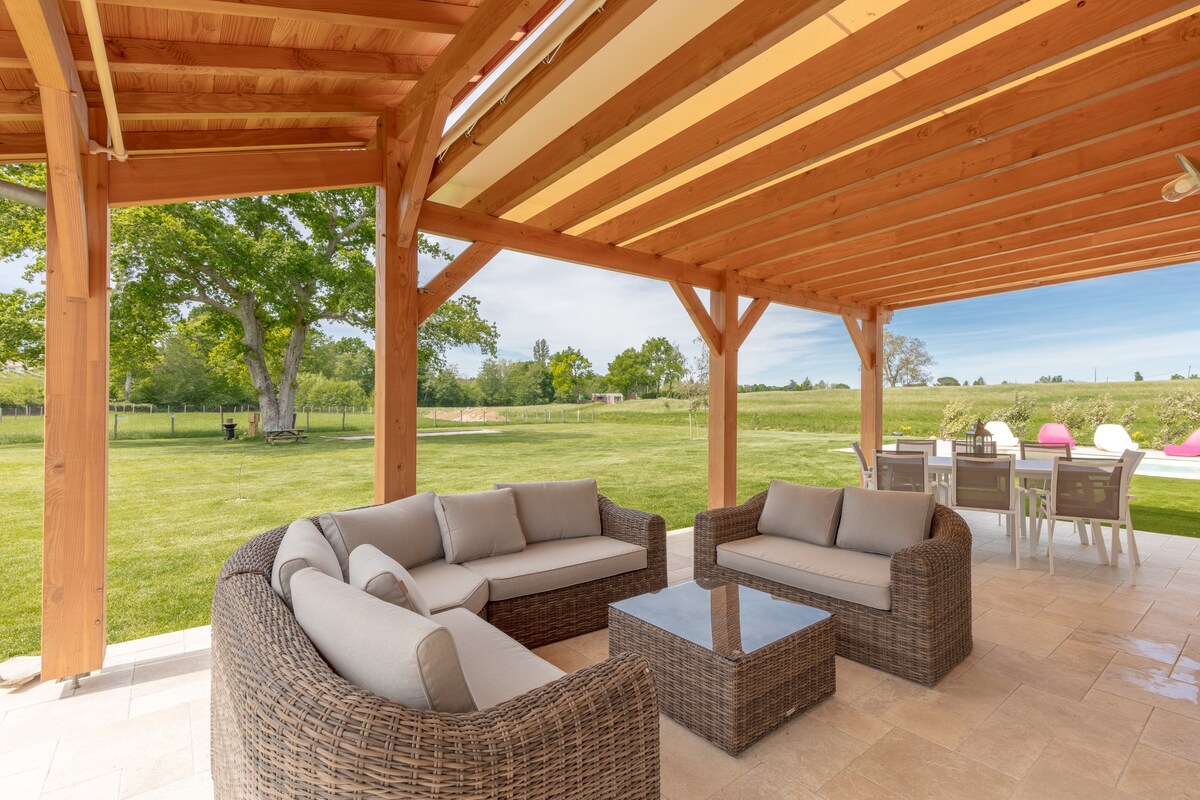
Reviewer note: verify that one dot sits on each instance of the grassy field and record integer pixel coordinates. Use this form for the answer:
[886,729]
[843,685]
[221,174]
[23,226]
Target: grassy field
[177,508]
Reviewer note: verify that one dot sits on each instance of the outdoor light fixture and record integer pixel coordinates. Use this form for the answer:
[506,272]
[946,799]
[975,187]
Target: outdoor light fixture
[1184,185]
[979,439]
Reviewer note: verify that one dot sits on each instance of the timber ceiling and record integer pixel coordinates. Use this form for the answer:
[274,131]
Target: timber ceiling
[839,155]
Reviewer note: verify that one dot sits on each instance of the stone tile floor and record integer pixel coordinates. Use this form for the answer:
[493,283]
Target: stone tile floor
[1080,686]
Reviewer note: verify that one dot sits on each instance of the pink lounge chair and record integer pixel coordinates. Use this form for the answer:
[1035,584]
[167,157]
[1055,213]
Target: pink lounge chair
[1190,447]
[1055,433]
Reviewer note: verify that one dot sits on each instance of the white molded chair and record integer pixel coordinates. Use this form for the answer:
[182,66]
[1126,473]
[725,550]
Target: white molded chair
[1002,435]
[1114,439]
[988,483]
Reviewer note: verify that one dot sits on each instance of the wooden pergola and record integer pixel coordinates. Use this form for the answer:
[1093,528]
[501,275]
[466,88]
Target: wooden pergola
[850,157]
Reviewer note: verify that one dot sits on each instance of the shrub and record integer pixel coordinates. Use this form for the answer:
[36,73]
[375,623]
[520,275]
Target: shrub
[318,390]
[1178,416]
[21,390]
[1069,412]
[957,416]
[1018,415]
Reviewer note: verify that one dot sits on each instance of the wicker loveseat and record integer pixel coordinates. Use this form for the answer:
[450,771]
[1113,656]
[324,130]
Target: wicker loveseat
[926,631]
[286,726]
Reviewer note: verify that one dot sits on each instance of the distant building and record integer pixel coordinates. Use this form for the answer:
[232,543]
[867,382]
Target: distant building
[607,397]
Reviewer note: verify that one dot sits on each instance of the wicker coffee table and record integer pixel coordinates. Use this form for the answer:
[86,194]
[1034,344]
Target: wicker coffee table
[730,663]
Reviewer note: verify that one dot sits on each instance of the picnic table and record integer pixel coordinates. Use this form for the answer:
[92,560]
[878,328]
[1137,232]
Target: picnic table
[285,435]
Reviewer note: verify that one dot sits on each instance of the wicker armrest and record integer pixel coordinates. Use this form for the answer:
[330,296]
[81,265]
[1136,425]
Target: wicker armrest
[933,578]
[720,525]
[630,525]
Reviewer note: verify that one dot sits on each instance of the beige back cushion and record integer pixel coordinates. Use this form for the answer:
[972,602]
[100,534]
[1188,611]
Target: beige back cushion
[875,521]
[479,525]
[807,513]
[385,649]
[557,509]
[381,576]
[406,530]
[302,546]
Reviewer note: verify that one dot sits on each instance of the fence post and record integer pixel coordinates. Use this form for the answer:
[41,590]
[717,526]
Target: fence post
[343,418]
[308,417]
[172,424]
[114,426]
[460,416]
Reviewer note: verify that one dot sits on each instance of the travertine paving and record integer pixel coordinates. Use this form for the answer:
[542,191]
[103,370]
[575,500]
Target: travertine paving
[1080,686]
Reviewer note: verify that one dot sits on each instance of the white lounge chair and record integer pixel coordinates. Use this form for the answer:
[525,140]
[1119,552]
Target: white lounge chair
[1002,434]
[1113,439]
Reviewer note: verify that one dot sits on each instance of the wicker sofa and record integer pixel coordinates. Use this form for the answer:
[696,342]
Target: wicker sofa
[286,726]
[927,629]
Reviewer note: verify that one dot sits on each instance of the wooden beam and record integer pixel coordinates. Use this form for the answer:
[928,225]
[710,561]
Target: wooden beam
[723,399]
[158,56]
[39,25]
[800,298]
[228,105]
[1094,124]
[20,106]
[984,67]
[22,146]
[1125,225]
[404,176]
[74,546]
[489,28]
[445,284]
[869,343]
[750,317]
[906,33]
[577,49]
[700,317]
[177,142]
[399,15]
[459,223]
[153,180]
[744,32]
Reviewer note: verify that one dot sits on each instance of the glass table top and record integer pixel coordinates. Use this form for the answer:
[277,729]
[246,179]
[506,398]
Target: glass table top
[727,619]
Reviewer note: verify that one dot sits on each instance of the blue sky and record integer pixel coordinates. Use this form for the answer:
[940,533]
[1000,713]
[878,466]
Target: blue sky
[1108,327]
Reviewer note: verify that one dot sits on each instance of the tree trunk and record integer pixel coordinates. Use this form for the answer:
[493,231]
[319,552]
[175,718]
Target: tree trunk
[276,402]
[128,384]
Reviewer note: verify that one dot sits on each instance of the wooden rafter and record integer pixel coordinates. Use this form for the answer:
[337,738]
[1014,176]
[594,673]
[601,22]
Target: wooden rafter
[1114,69]
[453,276]
[576,50]
[150,56]
[43,37]
[405,15]
[728,43]
[179,179]
[32,146]
[493,24]
[908,32]
[699,315]
[1051,166]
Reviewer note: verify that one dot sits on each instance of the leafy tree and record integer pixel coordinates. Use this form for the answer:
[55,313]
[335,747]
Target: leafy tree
[541,352]
[23,328]
[664,361]
[1050,379]
[904,360]
[947,380]
[320,390]
[806,385]
[446,388]
[1137,376]
[568,370]
[493,382]
[271,267]
[630,373]
[530,383]
[979,381]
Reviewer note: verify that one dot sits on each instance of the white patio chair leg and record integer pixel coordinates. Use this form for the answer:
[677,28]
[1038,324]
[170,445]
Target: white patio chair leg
[1015,538]
[1133,551]
[1050,542]
[1081,529]
[1098,538]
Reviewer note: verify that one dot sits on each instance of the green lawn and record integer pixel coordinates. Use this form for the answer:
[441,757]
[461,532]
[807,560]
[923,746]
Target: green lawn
[177,508]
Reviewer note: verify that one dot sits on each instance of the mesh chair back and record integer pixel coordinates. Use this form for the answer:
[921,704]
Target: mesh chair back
[1035,451]
[901,472]
[926,446]
[862,459]
[1094,491]
[984,483]
[966,448]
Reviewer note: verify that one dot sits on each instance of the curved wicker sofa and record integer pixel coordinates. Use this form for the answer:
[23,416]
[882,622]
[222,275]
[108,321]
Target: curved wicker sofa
[286,726]
[928,630]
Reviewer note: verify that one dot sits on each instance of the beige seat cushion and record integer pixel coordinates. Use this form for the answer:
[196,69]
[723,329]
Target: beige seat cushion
[385,578]
[405,530]
[863,578]
[546,566]
[557,509]
[883,522]
[479,525]
[496,666]
[447,586]
[385,649]
[302,546]
[806,513]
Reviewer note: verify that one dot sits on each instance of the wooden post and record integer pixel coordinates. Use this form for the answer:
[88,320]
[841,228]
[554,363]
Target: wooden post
[867,337]
[722,399]
[76,443]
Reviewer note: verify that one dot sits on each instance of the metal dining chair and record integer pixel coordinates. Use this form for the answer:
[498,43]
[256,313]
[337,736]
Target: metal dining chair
[1096,492]
[1131,459]
[988,483]
[868,474]
[901,472]
[967,449]
[1034,489]
[926,446]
